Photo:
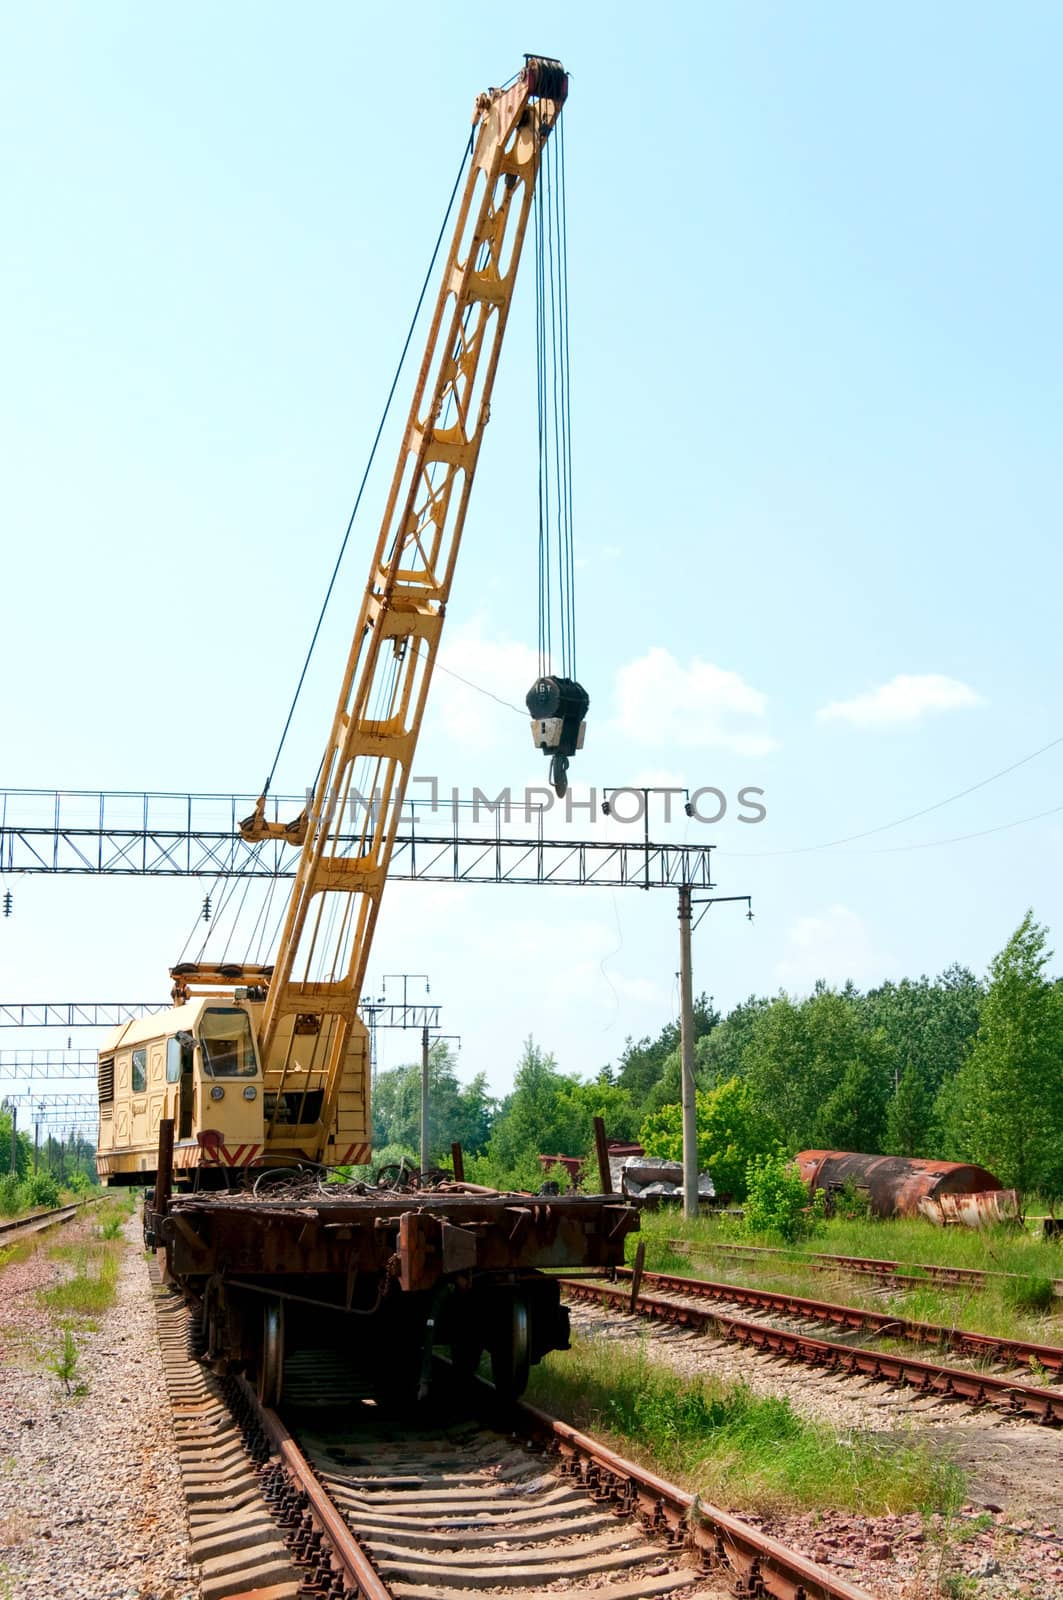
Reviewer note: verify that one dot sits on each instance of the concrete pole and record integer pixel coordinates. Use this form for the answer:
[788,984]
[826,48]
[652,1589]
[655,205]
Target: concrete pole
[686,1022]
[14,1139]
[424,1099]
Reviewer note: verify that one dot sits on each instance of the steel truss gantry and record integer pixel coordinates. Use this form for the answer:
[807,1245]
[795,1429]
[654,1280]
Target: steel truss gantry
[76,832]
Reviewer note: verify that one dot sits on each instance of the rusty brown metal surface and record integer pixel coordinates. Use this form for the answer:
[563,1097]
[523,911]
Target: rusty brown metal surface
[895,1185]
[423,1241]
[975,1388]
[601,1145]
[986,1209]
[1013,1352]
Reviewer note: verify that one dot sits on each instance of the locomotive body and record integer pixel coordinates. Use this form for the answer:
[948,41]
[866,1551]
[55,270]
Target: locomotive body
[198,1065]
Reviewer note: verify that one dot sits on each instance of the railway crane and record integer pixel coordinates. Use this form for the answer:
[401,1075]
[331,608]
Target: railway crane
[239,1100]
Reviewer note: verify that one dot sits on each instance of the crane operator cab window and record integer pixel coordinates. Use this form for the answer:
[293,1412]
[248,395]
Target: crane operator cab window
[228,1049]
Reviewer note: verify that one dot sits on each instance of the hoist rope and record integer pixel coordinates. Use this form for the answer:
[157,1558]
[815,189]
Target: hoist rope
[557,567]
[368,466]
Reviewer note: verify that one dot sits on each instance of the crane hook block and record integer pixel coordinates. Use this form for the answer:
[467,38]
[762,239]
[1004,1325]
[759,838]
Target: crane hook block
[558,707]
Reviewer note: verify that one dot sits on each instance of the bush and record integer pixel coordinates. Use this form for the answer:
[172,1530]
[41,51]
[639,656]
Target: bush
[731,1131]
[40,1189]
[10,1195]
[777,1202]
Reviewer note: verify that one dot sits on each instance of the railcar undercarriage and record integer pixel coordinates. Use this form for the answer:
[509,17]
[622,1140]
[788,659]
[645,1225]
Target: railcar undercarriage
[383,1278]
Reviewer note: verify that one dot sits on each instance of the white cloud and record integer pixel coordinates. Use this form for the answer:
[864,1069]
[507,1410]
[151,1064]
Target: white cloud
[475,671]
[662,702]
[834,945]
[905,698]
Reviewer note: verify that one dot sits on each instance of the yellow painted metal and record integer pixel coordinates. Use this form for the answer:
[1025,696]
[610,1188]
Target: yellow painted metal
[309,1028]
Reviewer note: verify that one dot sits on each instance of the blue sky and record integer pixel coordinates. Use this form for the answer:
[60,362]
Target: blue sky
[815,328]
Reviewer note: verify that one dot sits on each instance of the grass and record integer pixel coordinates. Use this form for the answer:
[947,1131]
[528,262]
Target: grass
[16,1252]
[732,1447]
[907,1239]
[92,1287]
[1023,1307]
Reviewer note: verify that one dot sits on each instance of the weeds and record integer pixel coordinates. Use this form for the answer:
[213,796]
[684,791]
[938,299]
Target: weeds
[64,1363]
[1029,1293]
[91,1289]
[726,1443]
[1005,1308]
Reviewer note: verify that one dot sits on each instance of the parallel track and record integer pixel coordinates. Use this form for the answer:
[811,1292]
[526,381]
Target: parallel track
[980,1346]
[973,1387]
[918,1273]
[25,1227]
[358,1507]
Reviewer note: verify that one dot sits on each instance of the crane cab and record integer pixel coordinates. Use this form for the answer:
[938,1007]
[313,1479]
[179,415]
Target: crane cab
[197,1064]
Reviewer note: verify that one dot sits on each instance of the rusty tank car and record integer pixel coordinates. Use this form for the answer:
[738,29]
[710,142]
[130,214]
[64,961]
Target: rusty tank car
[896,1186]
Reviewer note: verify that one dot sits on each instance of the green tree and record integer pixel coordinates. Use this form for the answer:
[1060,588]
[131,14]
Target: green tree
[456,1112]
[642,1065]
[1005,1108]
[909,1116]
[819,1072]
[722,1052]
[732,1130]
[535,1119]
[23,1147]
[929,1027]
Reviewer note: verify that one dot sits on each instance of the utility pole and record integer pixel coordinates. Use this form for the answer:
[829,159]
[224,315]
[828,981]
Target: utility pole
[686,1036]
[14,1138]
[424,1099]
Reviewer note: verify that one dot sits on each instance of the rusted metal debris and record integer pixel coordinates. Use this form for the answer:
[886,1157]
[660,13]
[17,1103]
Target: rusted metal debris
[895,1186]
[986,1209]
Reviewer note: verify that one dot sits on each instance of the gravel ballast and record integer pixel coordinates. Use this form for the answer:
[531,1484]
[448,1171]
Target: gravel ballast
[91,1502]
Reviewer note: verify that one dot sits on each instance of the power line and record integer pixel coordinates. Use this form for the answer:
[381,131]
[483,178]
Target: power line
[911,816]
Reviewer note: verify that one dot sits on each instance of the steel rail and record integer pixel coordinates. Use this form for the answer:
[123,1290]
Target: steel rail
[915,1272]
[347,1556]
[11,1232]
[756,1563]
[964,1340]
[974,1388]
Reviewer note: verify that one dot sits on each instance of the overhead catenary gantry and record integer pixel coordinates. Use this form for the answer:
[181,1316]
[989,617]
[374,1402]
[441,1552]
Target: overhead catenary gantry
[77,833]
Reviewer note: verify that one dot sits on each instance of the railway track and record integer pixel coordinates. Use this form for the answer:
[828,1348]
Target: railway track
[918,1273]
[25,1227]
[335,1499]
[676,1305]
[1012,1353]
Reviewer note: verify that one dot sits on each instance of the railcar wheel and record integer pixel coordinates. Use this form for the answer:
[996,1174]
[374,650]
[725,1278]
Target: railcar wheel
[271,1359]
[511,1351]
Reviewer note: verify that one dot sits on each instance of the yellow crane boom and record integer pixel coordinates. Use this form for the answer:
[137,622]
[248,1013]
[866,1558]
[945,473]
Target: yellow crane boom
[308,1032]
